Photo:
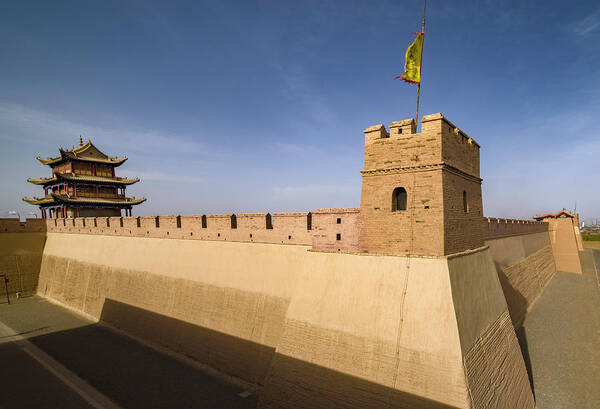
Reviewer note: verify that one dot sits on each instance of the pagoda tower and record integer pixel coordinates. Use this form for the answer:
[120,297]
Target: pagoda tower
[83,184]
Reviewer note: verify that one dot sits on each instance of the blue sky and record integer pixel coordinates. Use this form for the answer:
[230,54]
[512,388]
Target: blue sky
[240,106]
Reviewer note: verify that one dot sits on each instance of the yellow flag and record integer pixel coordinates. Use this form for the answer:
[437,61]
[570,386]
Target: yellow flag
[412,64]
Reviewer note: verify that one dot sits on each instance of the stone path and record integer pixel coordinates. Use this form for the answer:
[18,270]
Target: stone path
[560,339]
[52,358]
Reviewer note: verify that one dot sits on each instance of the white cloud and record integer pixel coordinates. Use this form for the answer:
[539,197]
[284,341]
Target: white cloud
[27,125]
[588,24]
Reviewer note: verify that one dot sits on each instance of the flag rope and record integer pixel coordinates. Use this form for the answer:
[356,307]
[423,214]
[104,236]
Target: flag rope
[420,66]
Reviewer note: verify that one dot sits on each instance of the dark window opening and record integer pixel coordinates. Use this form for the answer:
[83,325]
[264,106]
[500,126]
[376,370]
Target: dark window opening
[399,130]
[120,222]
[233,221]
[309,221]
[465,202]
[338,236]
[138,221]
[204,221]
[289,237]
[178,220]
[157,222]
[218,234]
[426,207]
[107,222]
[269,221]
[95,222]
[399,199]
[250,235]
[339,220]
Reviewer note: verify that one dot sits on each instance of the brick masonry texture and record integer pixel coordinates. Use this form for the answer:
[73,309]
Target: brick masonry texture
[437,167]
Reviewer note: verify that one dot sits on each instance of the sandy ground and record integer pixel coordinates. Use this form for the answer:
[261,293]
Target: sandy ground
[591,244]
[53,358]
[560,339]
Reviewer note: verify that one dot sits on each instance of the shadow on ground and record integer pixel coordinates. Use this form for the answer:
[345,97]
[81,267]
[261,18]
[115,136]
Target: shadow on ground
[137,377]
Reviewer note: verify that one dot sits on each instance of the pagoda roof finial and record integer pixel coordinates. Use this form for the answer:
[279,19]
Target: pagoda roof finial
[80,141]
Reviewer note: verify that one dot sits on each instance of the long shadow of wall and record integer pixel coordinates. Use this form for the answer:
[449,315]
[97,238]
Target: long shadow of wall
[296,384]
[229,354]
[133,375]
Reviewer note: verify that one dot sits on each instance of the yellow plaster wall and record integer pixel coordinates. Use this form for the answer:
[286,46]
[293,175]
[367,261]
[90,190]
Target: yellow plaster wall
[525,266]
[316,329]
[565,247]
[20,258]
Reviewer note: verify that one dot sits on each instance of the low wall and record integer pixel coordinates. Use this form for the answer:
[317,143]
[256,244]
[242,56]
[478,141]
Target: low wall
[495,227]
[21,247]
[525,266]
[317,329]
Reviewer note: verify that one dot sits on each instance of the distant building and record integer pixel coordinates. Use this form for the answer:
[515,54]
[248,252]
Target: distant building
[83,184]
[563,214]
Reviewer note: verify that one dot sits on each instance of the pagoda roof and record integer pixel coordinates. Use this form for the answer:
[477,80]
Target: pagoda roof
[61,198]
[83,178]
[562,213]
[85,152]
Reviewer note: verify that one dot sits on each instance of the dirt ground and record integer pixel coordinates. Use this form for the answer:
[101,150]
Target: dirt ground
[591,244]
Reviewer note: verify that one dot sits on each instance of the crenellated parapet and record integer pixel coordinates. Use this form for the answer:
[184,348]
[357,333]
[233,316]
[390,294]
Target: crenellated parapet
[421,192]
[280,228]
[496,227]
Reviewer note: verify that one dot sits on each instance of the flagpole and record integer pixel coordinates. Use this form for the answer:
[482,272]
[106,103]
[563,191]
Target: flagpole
[419,86]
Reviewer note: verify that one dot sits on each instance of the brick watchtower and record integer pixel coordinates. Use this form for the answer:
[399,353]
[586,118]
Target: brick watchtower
[421,192]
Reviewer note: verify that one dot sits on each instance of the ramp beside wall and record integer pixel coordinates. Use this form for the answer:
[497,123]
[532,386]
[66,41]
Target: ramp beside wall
[525,266]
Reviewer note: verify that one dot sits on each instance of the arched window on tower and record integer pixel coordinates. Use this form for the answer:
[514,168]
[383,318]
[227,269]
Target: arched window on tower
[465,202]
[399,199]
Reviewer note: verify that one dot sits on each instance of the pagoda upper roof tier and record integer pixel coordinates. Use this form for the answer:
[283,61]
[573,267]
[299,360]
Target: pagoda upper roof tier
[72,177]
[61,198]
[85,152]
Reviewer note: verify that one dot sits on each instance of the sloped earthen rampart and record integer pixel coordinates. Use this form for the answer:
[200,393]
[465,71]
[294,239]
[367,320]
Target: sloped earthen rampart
[316,329]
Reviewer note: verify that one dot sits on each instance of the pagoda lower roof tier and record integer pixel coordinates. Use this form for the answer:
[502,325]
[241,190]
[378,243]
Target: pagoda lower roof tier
[71,177]
[56,199]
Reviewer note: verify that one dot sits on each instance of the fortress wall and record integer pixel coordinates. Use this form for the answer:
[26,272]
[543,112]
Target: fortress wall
[336,230]
[413,332]
[525,266]
[494,227]
[286,228]
[222,303]
[317,329]
[21,246]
